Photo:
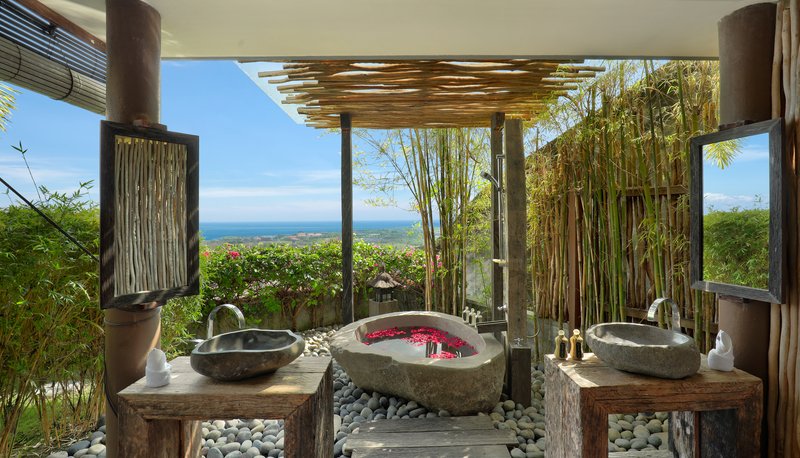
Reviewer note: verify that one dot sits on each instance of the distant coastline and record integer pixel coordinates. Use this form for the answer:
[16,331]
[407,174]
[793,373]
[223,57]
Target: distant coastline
[398,232]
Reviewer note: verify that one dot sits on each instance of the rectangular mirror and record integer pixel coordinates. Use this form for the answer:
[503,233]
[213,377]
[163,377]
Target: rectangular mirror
[738,211]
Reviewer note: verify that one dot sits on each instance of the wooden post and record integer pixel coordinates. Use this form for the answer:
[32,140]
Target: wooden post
[746,42]
[519,375]
[347,220]
[497,270]
[573,273]
[133,34]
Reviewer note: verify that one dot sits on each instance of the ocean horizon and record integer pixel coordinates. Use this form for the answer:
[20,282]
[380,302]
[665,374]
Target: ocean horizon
[218,230]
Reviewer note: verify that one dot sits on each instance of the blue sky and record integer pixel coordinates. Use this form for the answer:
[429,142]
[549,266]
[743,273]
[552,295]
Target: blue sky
[256,164]
[743,182]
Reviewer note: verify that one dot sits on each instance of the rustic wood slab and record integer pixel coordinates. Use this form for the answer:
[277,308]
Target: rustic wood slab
[300,393]
[431,438]
[583,393]
[427,424]
[478,451]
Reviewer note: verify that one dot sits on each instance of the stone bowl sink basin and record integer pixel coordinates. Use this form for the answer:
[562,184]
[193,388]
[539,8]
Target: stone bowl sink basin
[246,353]
[644,349]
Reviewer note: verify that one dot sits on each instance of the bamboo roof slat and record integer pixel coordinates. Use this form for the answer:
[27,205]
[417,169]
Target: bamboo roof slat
[424,93]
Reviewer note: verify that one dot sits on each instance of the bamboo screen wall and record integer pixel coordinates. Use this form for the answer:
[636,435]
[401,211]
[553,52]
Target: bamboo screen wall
[625,164]
[148,216]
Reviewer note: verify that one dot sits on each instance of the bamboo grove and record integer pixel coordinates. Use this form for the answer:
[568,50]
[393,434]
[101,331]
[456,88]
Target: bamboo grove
[620,156]
[439,167]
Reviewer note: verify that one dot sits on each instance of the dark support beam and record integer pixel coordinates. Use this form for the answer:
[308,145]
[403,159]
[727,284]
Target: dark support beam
[498,120]
[519,374]
[133,31]
[573,274]
[347,220]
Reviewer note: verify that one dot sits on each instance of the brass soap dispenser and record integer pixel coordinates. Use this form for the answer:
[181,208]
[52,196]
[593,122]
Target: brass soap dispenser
[576,346]
[561,342]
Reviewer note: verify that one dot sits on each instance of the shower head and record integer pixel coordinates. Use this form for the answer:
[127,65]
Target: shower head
[488,177]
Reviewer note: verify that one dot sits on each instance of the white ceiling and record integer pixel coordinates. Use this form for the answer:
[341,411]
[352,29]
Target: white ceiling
[195,29]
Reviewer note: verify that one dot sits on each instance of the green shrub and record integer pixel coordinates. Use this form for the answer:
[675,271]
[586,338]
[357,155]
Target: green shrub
[286,279]
[736,247]
[50,322]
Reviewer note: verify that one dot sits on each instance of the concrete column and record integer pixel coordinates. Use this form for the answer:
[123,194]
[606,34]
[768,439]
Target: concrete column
[133,39]
[347,220]
[498,120]
[746,41]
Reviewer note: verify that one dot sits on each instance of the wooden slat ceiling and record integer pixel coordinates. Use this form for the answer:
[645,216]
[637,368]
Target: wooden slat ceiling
[424,93]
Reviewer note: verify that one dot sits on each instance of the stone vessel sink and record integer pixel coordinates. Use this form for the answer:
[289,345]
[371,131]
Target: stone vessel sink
[246,353]
[644,349]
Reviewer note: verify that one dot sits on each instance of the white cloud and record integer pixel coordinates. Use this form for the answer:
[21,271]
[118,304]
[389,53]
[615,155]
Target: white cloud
[307,176]
[720,201]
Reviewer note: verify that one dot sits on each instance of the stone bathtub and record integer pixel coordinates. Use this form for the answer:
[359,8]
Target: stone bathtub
[461,385]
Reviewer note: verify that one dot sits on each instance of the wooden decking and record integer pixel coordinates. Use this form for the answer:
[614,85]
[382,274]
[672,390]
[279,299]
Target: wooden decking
[449,437]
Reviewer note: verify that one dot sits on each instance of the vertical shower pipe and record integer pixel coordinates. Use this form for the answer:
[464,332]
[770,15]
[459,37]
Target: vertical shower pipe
[516,227]
[347,220]
[133,39]
[497,270]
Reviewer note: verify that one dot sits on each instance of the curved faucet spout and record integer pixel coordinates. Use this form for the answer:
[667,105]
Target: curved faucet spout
[652,312]
[235,309]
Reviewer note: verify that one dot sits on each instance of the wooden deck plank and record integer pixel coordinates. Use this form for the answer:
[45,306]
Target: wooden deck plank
[431,439]
[427,424]
[478,451]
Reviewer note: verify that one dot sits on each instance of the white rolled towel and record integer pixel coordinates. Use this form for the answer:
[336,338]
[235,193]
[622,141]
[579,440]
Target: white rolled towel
[721,357]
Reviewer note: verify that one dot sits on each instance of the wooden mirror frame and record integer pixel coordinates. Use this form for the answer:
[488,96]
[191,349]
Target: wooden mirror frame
[777,212]
[109,131]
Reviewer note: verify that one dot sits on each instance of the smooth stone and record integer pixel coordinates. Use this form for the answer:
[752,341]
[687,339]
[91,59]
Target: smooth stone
[623,443]
[654,440]
[80,453]
[80,445]
[654,426]
[613,434]
[279,444]
[234,454]
[230,447]
[252,452]
[61,454]
[641,432]
[638,443]
[517,453]
[508,405]
[215,453]
[625,425]
[96,449]
[626,435]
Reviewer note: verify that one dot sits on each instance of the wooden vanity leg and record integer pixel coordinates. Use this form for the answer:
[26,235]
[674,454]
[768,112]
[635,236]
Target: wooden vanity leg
[191,435]
[309,429]
[142,438]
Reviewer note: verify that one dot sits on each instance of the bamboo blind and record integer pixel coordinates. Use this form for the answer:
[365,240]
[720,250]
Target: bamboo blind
[431,93]
[151,217]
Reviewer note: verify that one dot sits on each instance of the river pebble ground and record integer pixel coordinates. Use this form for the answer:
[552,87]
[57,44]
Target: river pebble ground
[352,406]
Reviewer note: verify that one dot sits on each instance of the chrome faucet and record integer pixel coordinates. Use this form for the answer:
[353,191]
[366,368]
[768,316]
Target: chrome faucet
[213,313]
[676,314]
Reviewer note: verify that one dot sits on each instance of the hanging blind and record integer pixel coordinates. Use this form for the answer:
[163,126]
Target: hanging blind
[43,58]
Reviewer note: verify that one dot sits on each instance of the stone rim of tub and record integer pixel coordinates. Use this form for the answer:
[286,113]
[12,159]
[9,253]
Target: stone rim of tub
[460,386]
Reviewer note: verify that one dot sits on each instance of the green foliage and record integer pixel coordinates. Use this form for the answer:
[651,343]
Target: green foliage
[50,322]
[736,247]
[286,279]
